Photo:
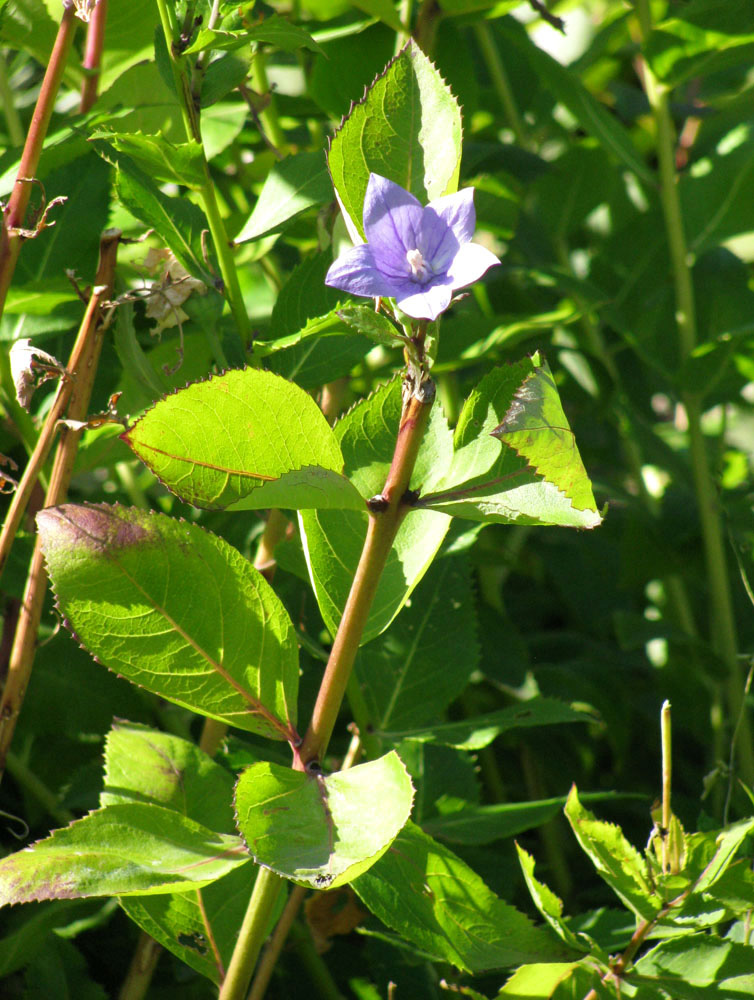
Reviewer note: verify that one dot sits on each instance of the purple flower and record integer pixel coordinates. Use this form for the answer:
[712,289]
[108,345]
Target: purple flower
[416,255]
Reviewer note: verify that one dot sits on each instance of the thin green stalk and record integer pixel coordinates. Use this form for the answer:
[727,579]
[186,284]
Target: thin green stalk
[251,935]
[723,627]
[268,116]
[191,122]
[11,237]
[500,81]
[31,783]
[12,118]
[316,967]
[667,778]
[405,9]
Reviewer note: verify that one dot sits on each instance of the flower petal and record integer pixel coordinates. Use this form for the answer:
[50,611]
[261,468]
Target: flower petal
[392,219]
[458,213]
[470,263]
[356,272]
[425,302]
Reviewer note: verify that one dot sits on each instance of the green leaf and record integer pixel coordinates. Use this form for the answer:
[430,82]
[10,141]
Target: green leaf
[547,902]
[704,37]
[293,185]
[616,860]
[538,476]
[699,966]
[199,926]
[727,844]
[413,672]
[305,300]
[30,930]
[146,765]
[223,76]
[427,894]
[272,30]
[382,10]
[122,850]
[407,128]
[484,824]
[717,199]
[473,734]
[556,980]
[333,542]
[372,324]
[323,831]
[586,109]
[130,38]
[244,440]
[177,610]
[178,222]
[181,163]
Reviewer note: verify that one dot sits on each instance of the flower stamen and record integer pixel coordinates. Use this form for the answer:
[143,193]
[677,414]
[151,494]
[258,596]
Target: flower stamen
[415,260]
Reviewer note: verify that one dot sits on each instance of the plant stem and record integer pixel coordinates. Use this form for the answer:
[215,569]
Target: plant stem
[251,935]
[12,120]
[268,116]
[90,337]
[28,780]
[95,40]
[500,81]
[722,625]
[667,777]
[275,945]
[140,971]
[15,211]
[386,513]
[381,531]
[206,191]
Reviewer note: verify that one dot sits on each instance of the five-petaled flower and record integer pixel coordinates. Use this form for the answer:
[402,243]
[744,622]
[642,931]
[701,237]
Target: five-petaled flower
[417,255]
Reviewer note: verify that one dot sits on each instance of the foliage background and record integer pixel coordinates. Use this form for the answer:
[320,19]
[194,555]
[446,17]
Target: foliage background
[563,154]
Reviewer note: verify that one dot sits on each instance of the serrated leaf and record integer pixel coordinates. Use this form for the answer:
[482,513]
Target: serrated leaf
[272,30]
[548,904]
[333,542]
[615,859]
[323,831]
[426,893]
[244,440]
[293,185]
[479,732]
[407,128]
[179,222]
[538,476]
[146,765]
[727,843]
[181,163]
[417,668]
[176,610]
[124,849]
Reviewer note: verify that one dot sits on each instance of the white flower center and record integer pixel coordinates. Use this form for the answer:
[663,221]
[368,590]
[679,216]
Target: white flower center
[415,260]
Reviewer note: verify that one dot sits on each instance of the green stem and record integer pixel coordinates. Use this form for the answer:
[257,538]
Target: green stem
[667,779]
[253,929]
[12,119]
[206,191]
[23,775]
[500,83]
[723,627]
[268,116]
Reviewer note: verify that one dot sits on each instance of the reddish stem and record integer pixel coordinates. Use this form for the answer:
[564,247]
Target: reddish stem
[95,42]
[15,211]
